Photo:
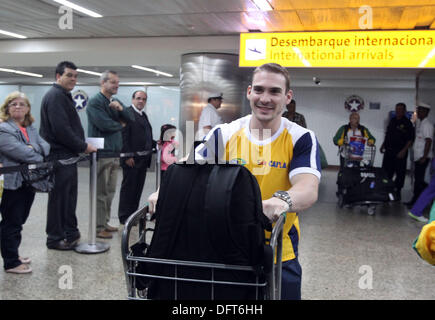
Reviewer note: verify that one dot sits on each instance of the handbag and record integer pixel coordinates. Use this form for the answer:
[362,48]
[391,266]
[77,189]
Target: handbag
[39,179]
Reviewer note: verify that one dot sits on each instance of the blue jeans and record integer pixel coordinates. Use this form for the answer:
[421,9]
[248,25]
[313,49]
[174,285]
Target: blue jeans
[291,280]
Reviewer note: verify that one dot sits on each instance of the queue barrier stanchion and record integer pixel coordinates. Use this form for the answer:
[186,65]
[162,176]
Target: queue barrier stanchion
[92,246]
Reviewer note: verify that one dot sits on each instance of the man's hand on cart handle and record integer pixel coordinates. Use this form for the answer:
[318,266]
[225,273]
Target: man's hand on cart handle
[274,207]
[152,201]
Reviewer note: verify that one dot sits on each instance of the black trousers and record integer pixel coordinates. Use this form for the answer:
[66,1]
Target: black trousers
[62,203]
[133,180]
[15,209]
[419,183]
[392,165]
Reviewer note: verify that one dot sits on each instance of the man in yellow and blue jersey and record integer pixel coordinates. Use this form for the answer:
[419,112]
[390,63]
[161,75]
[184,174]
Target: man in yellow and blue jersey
[282,155]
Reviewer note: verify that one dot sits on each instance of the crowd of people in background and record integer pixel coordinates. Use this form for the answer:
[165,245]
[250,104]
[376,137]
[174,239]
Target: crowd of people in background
[402,135]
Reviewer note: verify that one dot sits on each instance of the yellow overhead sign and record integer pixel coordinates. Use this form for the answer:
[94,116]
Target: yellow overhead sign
[368,49]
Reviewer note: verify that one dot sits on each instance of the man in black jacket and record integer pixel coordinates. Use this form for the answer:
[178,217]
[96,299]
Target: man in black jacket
[398,139]
[62,129]
[136,136]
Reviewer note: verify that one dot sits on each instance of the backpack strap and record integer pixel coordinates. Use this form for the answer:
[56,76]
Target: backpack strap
[217,211]
[217,206]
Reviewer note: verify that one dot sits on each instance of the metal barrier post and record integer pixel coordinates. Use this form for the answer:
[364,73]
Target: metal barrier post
[92,246]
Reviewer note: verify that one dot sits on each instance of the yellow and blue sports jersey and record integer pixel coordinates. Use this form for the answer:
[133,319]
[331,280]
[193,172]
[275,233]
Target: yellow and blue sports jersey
[273,161]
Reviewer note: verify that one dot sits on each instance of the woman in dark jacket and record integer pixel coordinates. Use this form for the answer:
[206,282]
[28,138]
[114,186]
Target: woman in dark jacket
[20,143]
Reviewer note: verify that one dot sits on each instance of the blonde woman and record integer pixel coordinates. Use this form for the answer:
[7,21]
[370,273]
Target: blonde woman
[19,143]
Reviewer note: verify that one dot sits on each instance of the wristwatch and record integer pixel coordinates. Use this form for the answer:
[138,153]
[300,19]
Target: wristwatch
[283,195]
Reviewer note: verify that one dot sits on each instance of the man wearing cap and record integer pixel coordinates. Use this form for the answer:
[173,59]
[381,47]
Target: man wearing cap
[422,149]
[209,116]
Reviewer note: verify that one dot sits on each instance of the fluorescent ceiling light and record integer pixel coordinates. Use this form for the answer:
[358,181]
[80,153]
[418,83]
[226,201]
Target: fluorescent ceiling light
[152,70]
[79,8]
[11,34]
[22,73]
[89,72]
[172,89]
[136,83]
[263,5]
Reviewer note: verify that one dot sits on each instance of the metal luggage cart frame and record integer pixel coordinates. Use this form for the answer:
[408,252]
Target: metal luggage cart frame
[272,283]
[366,160]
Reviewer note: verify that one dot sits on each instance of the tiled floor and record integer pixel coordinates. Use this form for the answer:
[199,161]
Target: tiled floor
[344,253]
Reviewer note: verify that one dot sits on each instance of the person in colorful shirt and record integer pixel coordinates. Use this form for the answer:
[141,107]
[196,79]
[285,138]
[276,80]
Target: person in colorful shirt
[283,156]
[352,129]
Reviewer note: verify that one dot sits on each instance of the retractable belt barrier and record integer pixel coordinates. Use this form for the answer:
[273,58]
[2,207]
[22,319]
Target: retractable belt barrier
[92,246]
[72,160]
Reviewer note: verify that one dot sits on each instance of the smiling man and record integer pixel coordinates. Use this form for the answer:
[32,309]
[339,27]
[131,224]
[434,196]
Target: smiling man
[62,129]
[282,155]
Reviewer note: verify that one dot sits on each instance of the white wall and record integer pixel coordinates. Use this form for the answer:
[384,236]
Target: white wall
[324,111]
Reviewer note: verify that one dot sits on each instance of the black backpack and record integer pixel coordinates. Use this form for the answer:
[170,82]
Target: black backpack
[207,213]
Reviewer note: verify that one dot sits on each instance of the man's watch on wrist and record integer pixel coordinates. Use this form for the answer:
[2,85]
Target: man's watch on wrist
[283,195]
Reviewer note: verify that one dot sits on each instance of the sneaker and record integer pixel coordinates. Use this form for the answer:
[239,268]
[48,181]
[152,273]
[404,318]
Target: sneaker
[418,218]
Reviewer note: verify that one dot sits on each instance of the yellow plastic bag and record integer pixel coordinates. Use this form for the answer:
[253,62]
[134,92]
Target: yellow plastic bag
[424,245]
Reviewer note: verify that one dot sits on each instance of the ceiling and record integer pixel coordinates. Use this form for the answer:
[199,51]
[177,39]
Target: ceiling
[174,27]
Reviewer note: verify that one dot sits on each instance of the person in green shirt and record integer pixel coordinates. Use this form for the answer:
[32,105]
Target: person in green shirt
[106,119]
[353,128]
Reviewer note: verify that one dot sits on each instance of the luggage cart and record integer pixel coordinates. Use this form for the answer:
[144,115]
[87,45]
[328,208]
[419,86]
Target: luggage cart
[363,173]
[271,285]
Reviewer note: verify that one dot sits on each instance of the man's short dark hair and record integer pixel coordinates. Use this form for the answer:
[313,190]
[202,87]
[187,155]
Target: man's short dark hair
[401,104]
[134,93]
[60,69]
[275,68]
